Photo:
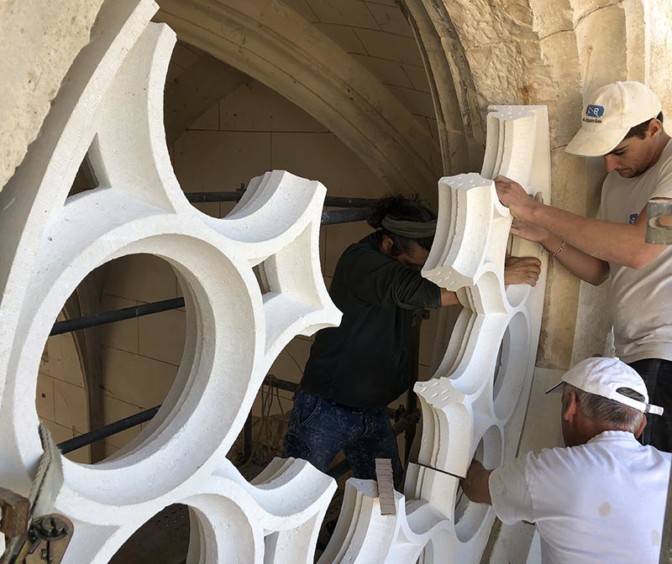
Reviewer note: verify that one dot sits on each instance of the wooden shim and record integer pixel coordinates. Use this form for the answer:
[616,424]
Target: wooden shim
[14,513]
[385,486]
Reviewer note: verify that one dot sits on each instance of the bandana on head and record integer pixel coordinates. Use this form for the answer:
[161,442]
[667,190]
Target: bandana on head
[410,229]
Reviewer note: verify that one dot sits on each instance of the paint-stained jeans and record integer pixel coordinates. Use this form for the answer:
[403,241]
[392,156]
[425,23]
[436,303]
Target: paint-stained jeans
[657,375]
[320,428]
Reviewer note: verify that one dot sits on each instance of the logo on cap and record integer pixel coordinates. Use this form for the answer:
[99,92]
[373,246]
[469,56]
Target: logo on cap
[594,111]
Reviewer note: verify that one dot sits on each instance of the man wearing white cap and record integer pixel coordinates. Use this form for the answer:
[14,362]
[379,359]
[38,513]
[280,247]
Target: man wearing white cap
[622,123]
[602,497]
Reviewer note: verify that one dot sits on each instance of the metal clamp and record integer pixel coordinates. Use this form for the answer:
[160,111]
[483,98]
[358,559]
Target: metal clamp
[47,539]
[659,221]
[36,535]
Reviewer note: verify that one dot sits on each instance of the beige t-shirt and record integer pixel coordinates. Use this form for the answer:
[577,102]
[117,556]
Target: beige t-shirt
[640,299]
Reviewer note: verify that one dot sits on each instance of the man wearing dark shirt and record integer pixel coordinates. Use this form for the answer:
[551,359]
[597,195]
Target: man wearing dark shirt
[357,369]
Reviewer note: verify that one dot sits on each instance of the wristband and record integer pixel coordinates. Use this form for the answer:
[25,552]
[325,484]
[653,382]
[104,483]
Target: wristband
[560,249]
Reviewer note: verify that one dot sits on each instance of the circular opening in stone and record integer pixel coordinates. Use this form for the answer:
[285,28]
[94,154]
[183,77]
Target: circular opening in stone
[511,368]
[211,388]
[469,516]
[99,386]
[215,524]
[164,538]
[209,527]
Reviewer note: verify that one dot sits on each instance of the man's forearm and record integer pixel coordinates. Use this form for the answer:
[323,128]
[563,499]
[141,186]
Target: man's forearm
[517,270]
[448,298]
[615,242]
[588,268]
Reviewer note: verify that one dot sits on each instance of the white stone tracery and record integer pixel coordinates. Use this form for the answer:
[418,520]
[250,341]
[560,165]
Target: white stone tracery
[110,107]
[475,403]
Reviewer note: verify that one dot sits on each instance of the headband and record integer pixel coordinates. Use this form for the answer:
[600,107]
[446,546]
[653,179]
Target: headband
[410,229]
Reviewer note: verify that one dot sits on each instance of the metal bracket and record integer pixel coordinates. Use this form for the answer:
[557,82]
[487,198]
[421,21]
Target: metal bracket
[659,221]
[46,541]
[36,535]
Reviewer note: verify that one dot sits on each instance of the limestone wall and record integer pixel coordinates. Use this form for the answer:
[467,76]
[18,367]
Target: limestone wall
[39,41]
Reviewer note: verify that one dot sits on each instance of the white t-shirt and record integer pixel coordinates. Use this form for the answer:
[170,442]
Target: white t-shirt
[602,502]
[640,299]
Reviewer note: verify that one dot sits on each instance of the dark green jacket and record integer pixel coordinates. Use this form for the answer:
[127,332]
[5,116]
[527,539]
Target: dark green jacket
[365,362]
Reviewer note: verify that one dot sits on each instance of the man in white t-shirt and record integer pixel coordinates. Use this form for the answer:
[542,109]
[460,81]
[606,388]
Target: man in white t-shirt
[600,499]
[622,123]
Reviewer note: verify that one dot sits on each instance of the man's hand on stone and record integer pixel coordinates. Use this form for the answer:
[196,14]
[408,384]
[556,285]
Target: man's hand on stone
[514,196]
[475,485]
[521,270]
[530,231]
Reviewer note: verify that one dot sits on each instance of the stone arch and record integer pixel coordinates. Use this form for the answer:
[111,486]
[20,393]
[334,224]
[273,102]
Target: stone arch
[461,127]
[214,79]
[276,46]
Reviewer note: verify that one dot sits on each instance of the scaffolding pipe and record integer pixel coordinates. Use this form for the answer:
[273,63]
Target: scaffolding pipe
[105,317]
[206,197]
[406,421]
[341,202]
[276,382]
[138,418]
[345,216]
[107,430]
[329,201]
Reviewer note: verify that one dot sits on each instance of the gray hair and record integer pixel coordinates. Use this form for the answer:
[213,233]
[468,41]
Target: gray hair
[605,410]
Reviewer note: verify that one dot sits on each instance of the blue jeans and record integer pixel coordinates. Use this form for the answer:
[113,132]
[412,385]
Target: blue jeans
[320,428]
[657,375]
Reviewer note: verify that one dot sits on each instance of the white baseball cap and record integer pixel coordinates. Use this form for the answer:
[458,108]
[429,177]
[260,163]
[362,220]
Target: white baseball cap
[610,113]
[603,376]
